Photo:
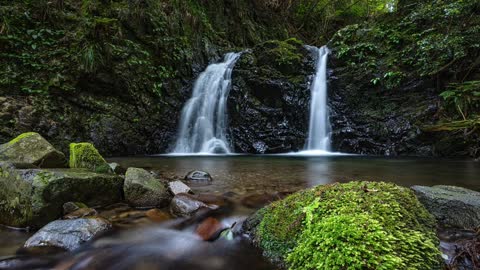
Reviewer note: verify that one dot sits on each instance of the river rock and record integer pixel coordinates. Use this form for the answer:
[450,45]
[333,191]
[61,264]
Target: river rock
[117,168]
[36,197]
[184,205]
[86,156]
[209,229]
[70,207]
[32,148]
[68,234]
[452,206]
[177,187]
[80,213]
[143,190]
[198,176]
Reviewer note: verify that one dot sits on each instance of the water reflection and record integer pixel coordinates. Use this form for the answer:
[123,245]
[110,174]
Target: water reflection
[244,174]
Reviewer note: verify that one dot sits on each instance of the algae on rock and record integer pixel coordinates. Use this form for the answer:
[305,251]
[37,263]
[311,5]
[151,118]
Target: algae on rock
[85,155]
[359,225]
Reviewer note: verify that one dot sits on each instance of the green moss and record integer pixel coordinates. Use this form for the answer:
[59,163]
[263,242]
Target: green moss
[15,208]
[358,225]
[22,136]
[284,52]
[85,155]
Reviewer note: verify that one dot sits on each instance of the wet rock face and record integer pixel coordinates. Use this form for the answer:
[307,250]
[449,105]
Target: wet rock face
[368,120]
[269,101]
[452,206]
[68,234]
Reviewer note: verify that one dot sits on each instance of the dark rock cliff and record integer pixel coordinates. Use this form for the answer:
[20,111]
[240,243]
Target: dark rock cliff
[270,97]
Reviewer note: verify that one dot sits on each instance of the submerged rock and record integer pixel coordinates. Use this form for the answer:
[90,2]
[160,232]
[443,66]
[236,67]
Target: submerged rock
[143,190]
[357,225]
[177,187]
[32,149]
[452,206]
[36,197]
[86,156]
[68,234]
[198,176]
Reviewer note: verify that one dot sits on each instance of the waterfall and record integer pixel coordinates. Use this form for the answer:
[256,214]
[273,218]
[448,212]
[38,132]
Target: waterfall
[319,126]
[204,116]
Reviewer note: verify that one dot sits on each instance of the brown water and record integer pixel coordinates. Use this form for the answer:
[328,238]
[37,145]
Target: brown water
[245,174]
[161,248]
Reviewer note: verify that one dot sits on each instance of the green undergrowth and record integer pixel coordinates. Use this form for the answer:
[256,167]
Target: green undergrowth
[357,225]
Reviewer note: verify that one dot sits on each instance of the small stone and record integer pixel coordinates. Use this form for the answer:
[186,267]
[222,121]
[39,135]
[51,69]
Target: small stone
[177,187]
[209,229]
[68,234]
[198,176]
[157,215]
[80,213]
[70,207]
[185,206]
[117,168]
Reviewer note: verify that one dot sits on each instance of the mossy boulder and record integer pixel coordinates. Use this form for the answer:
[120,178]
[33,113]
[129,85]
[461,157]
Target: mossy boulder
[143,190]
[86,156]
[32,148]
[357,225]
[35,197]
[15,198]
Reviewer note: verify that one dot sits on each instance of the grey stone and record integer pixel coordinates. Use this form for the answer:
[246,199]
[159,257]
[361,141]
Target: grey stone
[31,148]
[452,206]
[68,234]
[143,190]
[198,176]
[177,187]
[183,205]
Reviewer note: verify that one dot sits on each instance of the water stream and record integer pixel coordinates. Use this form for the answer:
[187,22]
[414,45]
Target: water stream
[203,123]
[319,126]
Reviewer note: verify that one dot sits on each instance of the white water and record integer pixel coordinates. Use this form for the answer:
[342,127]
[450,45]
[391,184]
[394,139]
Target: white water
[204,116]
[319,127]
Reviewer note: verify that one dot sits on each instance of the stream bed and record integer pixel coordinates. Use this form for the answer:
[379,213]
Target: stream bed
[250,182]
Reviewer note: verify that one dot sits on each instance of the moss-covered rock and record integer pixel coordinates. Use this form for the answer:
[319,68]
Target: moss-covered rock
[86,156]
[15,198]
[143,190]
[32,148]
[357,225]
[36,197]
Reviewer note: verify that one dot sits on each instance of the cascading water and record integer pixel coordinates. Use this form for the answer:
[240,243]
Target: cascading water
[204,116]
[319,127]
